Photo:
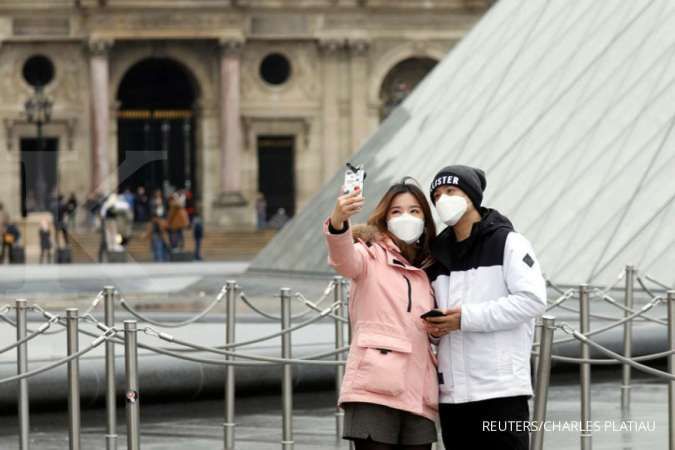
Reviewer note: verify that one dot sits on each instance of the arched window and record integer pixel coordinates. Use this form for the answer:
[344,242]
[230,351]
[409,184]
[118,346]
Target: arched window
[401,80]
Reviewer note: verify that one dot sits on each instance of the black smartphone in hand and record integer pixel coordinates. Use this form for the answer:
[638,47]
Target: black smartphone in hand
[432,313]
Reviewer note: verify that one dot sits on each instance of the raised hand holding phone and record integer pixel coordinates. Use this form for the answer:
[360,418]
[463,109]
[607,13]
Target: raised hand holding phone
[346,206]
[350,201]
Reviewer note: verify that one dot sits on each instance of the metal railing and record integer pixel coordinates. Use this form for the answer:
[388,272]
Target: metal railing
[180,349]
[230,357]
[584,295]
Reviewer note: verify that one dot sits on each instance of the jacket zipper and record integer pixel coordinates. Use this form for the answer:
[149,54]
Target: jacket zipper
[409,293]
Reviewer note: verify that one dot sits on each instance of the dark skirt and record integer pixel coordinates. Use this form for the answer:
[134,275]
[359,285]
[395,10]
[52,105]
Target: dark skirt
[387,425]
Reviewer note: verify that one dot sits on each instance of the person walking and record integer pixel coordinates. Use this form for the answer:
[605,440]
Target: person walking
[4,221]
[197,234]
[178,220]
[261,211]
[141,206]
[45,236]
[71,211]
[60,222]
[389,392]
[155,232]
[490,288]
[10,239]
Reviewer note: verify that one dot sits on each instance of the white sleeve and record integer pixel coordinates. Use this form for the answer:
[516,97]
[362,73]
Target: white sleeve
[526,287]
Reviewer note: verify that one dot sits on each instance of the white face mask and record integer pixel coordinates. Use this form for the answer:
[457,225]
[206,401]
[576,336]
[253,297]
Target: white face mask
[451,208]
[406,227]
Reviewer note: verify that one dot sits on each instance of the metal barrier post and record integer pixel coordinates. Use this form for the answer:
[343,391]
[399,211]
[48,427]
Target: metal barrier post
[543,379]
[110,388]
[585,369]
[338,291]
[72,337]
[132,397]
[627,338]
[22,367]
[287,374]
[230,310]
[534,361]
[671,369]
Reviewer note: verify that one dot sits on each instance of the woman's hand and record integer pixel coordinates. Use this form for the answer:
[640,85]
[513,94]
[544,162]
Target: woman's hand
[347,205]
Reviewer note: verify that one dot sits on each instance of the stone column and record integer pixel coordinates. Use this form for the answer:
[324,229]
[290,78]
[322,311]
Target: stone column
[331,110]
[230,118]
[100,115]
[359,90]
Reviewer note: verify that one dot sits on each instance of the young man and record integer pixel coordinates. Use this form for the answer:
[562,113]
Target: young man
[488,283]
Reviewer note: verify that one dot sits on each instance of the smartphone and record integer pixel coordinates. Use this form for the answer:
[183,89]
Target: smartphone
[354,176]
[432,313]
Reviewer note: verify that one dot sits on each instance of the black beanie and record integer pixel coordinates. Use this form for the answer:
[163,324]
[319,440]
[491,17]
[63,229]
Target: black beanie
[470,180]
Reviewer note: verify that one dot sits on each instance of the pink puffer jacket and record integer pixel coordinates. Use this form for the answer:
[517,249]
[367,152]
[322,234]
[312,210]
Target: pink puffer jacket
[390,359]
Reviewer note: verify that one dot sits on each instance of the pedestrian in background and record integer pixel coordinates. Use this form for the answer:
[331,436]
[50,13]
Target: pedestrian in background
[197,234]
[155,232]
[141,206]
[157,206]
[71,211]
[45,242]
[61,226]
[178,221]
[4,220]
[10,238]
[261,210]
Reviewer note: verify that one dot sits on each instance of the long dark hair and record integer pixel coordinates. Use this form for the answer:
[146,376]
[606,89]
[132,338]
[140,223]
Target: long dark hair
[417,254]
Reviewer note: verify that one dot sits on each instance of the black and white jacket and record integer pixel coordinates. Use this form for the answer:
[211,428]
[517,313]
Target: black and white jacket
[495,277]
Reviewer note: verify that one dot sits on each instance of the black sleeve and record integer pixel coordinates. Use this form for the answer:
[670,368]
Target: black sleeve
[332,230]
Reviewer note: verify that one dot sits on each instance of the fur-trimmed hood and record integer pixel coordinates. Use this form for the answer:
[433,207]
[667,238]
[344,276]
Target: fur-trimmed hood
[367,233]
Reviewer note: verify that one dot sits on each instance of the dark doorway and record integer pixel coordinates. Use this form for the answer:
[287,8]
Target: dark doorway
[156,118]
[39,174]
[276,173]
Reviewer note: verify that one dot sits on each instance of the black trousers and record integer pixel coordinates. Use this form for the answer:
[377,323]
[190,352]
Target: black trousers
[497,423]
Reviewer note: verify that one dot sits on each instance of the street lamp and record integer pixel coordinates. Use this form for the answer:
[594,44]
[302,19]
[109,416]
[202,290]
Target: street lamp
[38,110]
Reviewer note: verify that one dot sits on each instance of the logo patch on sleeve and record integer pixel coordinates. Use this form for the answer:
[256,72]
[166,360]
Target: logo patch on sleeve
[528,260]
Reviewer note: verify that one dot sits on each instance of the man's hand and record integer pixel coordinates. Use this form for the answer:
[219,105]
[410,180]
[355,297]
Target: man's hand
[440,326]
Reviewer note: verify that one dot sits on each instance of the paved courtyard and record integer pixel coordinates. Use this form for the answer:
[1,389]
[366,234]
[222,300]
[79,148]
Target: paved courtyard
[197,425]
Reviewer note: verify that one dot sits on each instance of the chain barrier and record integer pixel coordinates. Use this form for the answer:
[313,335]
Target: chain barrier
[657,282]
[146,319]
[615,356]
[39,332]
[312,306]
[181,349]
[95,343]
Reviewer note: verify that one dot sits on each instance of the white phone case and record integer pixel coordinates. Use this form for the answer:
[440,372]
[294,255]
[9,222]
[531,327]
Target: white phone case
[354,178]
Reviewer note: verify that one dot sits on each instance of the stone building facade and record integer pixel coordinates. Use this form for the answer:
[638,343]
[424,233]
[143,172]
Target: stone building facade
[232,97]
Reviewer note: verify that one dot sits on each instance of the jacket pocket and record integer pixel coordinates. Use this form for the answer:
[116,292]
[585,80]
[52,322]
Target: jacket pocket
[384,364]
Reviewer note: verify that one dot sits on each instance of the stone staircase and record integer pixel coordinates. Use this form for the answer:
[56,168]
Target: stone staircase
[217,245]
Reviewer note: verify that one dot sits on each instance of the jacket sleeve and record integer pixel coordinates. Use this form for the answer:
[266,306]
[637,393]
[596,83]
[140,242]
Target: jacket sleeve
[347,258]
[526,287]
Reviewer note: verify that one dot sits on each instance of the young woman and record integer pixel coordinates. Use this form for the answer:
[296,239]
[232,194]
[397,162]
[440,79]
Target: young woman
[390,389]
